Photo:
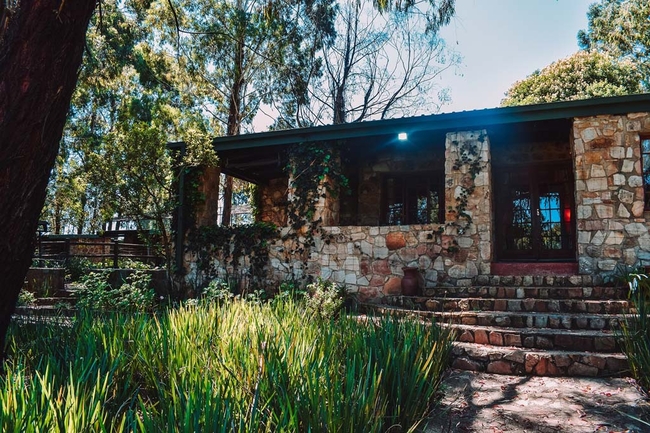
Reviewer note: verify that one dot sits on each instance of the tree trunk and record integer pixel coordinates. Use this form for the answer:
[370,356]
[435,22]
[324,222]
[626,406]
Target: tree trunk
[40,53]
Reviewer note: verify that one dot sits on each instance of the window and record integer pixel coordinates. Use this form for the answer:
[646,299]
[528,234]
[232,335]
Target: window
[645,158]
[413,199]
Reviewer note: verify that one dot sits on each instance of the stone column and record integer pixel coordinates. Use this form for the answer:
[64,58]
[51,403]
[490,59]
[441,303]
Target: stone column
[611,227]
[208,211]
[470,242]
[273,202]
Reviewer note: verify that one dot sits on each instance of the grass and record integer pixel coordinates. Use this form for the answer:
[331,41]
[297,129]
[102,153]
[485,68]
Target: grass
[230,367]
[635,330]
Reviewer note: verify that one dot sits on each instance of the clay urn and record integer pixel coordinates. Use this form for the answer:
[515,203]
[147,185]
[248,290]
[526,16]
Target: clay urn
[410,284]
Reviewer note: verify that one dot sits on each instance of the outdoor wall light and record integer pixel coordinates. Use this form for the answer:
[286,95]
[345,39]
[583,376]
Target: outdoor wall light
[402,136]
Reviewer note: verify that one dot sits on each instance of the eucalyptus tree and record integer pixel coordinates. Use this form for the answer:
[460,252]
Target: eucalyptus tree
[383,61]
[238,54]
[620,28]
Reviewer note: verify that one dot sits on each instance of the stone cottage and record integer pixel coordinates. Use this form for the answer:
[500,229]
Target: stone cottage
[549,188]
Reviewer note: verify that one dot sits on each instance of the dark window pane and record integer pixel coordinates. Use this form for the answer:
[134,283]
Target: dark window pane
[413,199]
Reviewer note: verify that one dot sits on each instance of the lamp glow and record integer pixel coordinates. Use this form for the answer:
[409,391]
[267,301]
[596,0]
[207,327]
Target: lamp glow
[402,136]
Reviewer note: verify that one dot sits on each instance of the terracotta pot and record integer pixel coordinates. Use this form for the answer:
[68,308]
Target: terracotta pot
[410,284]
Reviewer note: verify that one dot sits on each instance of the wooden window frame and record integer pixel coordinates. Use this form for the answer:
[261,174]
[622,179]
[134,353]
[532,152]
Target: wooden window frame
[435,182]
[646,186]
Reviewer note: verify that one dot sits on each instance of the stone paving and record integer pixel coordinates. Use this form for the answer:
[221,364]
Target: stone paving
[480,402]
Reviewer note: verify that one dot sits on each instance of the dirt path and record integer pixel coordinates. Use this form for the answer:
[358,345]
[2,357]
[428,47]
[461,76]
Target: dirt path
[480,402]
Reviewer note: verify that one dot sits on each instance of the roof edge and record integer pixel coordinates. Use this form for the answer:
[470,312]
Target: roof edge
[440,122]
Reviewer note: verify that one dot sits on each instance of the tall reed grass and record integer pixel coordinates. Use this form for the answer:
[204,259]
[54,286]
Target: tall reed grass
[235,367]
[635,329]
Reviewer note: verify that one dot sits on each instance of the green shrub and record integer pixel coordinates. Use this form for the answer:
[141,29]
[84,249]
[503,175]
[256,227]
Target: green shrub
[76,267]
[230,367]
[325,298]
[135,294]
[25,298]
[217,291]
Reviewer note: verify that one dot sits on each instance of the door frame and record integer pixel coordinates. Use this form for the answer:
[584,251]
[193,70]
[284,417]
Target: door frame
[539,176]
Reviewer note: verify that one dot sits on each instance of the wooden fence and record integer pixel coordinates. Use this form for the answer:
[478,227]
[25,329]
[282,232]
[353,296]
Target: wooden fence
[96,250]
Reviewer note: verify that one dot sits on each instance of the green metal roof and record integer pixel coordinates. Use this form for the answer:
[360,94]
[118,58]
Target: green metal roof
[457,121]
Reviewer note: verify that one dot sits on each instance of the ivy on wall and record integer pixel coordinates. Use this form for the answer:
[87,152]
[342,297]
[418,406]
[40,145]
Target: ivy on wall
[229,245]
[314,170]
[469,162]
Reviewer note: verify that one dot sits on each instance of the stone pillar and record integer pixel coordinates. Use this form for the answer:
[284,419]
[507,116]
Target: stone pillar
[273,202]
[327,208]
[470,242]
[611,227]
[208,211]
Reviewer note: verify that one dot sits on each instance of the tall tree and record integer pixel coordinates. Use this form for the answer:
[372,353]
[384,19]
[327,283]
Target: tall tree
[582,75]
[41,46]
[383,62]
[235,52]
[620,28]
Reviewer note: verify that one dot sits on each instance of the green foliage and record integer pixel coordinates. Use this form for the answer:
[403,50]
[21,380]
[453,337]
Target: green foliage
[217,291]
[325,298]
[135,294]
[582,75]
[622,29]
[25,298]
[76,267]
[231,367]
[635,329]
[231,244]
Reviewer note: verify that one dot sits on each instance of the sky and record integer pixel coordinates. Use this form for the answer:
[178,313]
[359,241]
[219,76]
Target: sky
[503,41]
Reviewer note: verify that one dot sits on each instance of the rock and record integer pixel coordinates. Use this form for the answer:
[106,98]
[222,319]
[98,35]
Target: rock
[395,240]
[466,364]
[578,369]
[500,367]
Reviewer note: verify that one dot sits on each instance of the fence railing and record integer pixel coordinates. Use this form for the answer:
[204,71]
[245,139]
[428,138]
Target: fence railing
[100,250]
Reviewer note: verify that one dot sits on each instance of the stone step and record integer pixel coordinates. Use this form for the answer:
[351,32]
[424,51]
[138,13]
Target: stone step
[68,292]
[538,338]
[515,361]
[532,280]
[498,304]
[522,292]
[44,311]
[57,301]
[511,319]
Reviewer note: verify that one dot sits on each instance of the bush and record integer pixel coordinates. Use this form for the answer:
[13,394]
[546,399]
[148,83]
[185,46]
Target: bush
[325,298]
[135,294]
[25,298]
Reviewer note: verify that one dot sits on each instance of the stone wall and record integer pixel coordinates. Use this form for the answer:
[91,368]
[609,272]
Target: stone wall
[368,260]
[611,226]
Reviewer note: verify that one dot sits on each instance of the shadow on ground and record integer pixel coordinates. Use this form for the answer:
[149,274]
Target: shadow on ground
[480,402]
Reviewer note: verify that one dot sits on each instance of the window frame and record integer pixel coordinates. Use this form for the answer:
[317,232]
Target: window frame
[435,182]
[646,184]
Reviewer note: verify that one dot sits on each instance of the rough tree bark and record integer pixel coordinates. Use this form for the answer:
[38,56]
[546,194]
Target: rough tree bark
[40,54]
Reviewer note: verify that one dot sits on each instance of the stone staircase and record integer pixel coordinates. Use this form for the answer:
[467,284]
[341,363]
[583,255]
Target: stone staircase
[61,303]
[526,325]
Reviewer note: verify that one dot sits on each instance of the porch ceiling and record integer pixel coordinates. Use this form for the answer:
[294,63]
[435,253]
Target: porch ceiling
[262,156]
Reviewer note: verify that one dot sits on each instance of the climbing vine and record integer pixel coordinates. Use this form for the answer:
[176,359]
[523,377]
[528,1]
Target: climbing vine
[468,162]
[229,244]
[315,173]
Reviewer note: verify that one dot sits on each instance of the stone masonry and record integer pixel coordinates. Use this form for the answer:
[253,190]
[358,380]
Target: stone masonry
[368,259]
[611,224]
